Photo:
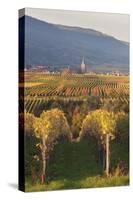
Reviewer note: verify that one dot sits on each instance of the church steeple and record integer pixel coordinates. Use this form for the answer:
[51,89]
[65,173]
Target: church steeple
[83,60]
[83,68]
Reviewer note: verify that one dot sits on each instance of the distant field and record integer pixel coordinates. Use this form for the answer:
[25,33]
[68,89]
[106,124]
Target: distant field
[29,84]
[43,87]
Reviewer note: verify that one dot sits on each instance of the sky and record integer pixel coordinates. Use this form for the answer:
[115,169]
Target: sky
[116,25]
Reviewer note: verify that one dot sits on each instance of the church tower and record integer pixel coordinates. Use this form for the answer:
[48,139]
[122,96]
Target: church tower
[83,68]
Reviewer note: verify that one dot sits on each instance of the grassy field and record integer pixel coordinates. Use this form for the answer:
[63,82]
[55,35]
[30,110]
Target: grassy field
[75,165]
[90,182]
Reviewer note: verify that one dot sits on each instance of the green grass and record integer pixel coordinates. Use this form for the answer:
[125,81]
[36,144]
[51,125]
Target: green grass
[88,182]
[74,165]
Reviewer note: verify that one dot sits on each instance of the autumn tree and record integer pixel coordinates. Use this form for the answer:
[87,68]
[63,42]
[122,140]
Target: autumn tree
[122,126]
[48,128]
[115,105]
[27,134]
[101,124]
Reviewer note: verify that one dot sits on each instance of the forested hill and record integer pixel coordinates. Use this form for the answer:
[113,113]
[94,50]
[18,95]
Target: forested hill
[57,45]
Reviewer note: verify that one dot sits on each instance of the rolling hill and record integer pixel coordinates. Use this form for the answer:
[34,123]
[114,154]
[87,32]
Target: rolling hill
[60,46]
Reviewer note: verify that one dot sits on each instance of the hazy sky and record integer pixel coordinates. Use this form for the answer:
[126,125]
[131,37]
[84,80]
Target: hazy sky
[116,25]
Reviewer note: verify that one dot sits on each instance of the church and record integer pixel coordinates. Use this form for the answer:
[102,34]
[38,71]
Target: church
[83,67]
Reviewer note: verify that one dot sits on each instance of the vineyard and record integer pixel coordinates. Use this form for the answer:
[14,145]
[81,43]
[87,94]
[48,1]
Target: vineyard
[39,87]
[82,116]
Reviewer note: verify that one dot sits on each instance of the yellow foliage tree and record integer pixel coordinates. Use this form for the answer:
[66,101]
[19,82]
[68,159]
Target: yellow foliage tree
[27,137]
[102,125]
[26,121]
[122,126]
[49,127]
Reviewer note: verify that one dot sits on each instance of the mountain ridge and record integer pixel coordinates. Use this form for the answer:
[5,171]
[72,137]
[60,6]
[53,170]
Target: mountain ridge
[59,45]
[76,28]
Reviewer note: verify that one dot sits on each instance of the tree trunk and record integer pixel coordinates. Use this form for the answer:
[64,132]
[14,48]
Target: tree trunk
[107,155]
[43,161]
